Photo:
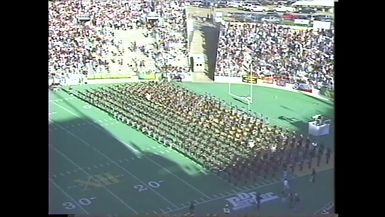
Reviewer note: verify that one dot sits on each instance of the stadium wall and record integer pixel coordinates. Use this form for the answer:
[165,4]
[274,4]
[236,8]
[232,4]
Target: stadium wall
[288,87]
[226,79]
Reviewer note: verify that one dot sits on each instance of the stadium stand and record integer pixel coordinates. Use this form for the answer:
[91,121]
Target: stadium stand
[88,38]
[271,49]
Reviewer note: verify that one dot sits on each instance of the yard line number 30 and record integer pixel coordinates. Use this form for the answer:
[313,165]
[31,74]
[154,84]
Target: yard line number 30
[81,201]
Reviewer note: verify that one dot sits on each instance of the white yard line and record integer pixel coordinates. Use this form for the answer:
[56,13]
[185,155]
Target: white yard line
[222,197]
[67,195]
[328,205]
[59,100]
[89,175]
[116,164]
[176,176]
[154,162]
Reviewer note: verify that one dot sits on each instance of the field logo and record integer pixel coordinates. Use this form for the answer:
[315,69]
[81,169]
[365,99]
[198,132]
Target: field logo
[98,181]
[243,200]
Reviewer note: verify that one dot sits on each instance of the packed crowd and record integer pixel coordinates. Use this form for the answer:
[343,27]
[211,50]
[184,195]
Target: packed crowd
[82,34]
[169,51]
[270,49]
[233,143]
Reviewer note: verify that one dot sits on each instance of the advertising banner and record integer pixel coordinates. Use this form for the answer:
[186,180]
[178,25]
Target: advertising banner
[281,82]
[321,25]
[149,76]
[301,21]
[268,80]
[249,79]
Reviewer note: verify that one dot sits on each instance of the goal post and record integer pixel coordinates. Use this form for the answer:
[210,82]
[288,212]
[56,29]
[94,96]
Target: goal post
[248,99]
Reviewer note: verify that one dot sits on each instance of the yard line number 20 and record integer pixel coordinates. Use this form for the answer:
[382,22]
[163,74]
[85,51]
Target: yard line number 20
[151,184]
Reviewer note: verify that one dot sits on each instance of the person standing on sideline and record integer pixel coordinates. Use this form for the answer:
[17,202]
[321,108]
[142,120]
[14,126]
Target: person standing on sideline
[296,200]
[286,185]
[285,174]
[192,207]
[226,209]
[319,155]
[291,199]
[328,153]
[284,195]
[258,200]
[301,165]
[312,176]
[309,162]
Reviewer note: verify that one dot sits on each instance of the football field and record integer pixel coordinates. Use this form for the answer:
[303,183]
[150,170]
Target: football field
[101,167]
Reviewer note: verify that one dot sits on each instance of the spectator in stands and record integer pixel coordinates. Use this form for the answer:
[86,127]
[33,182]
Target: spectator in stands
[302,54]
[82,34]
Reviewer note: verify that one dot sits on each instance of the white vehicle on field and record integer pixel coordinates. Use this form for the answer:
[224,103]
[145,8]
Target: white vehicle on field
[284,9]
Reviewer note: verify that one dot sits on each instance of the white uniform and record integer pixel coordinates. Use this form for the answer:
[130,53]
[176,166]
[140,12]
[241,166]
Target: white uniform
[286,184]
[226,210]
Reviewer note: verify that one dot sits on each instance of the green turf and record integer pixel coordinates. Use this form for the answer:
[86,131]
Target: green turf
[86,143]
